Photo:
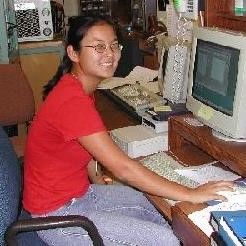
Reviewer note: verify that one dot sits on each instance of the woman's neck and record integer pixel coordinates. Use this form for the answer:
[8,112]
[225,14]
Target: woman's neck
[89,84]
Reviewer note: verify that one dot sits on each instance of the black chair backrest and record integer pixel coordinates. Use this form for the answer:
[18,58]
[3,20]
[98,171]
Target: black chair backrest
[9,184]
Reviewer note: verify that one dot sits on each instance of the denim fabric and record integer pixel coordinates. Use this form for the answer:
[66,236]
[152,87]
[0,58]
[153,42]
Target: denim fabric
[122,215]
[9,184]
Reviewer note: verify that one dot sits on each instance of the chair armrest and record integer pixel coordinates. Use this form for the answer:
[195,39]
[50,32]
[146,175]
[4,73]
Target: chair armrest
[53,222]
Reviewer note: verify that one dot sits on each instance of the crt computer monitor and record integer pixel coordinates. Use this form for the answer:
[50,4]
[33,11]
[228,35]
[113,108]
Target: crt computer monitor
[217,81]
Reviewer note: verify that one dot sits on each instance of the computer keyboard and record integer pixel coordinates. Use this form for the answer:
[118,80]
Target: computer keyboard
[137,96]
[165,166]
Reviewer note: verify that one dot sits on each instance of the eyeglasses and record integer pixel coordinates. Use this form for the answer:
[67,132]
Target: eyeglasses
[101,48]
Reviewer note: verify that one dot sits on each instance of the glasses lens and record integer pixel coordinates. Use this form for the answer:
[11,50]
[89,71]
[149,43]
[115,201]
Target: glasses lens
[100,48]
[116,47]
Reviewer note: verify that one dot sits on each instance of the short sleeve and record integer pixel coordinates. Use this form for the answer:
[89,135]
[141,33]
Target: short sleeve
[78,117]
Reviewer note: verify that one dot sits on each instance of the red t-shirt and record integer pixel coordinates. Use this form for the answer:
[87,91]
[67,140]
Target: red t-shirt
[55,168]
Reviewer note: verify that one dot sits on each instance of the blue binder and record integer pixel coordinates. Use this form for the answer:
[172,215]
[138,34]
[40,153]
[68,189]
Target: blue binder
[236,222]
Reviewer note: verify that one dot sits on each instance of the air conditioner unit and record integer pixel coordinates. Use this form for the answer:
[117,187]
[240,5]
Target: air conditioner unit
[34,20]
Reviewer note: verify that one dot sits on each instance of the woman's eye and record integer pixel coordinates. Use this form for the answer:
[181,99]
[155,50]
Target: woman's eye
[115,46]
[100,47]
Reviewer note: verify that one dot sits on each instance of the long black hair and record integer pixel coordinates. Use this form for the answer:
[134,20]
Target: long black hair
[77,31]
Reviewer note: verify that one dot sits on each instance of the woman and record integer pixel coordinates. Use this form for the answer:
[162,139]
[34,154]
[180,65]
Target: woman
[68,131]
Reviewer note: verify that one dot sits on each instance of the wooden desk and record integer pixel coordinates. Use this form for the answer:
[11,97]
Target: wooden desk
[162,206]
[192,146]
[187,232]
[196,145]
[112,113]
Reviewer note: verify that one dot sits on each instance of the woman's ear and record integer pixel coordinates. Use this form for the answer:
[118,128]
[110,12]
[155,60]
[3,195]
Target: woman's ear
[72,54]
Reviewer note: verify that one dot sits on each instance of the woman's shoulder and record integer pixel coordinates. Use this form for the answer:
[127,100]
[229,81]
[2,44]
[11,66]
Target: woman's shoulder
[69,87]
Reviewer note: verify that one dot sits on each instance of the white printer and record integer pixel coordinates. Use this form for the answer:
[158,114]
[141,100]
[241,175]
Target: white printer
[140,140]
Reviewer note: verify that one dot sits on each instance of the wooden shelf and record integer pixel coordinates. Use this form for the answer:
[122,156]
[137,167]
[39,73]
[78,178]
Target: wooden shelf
[220,13]
[198,142]
[233,15]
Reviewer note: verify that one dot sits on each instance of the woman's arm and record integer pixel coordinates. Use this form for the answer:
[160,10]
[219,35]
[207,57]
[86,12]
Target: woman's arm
[102,147]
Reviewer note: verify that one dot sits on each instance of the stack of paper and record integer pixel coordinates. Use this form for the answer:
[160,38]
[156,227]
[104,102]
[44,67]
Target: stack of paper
[141,75]
[113,82]
[204,173]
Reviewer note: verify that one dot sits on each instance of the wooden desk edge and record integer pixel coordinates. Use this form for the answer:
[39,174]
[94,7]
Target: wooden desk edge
[177,216]
[161,205]
[184,228]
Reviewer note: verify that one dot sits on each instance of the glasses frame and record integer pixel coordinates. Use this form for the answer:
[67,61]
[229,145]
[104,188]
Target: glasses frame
[120,47]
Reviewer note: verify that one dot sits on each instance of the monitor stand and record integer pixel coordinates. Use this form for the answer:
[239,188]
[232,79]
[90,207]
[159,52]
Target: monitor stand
[227,138]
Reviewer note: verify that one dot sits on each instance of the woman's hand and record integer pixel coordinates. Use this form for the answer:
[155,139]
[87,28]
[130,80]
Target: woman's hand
[103,179]
[209,191]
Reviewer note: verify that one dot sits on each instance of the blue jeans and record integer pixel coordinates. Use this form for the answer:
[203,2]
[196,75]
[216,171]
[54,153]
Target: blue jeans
[122,215]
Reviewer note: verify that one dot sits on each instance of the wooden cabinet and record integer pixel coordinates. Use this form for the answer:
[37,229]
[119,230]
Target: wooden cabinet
[39,61]
[220,13]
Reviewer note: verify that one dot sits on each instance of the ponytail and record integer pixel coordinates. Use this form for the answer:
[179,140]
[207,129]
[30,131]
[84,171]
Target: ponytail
[64,67]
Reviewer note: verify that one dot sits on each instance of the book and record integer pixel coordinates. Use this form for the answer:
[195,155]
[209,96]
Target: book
[216,239]
[216,216]
[230,225]
[226,237]
[235,226]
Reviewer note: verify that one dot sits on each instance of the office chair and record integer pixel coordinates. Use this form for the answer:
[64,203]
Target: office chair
[16,104]
[11,223]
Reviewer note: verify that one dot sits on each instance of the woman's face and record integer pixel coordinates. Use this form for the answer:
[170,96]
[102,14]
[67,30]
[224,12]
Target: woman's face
[99,64]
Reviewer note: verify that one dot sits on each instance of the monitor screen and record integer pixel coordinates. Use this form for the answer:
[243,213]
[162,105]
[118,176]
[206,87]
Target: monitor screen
[215,75]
